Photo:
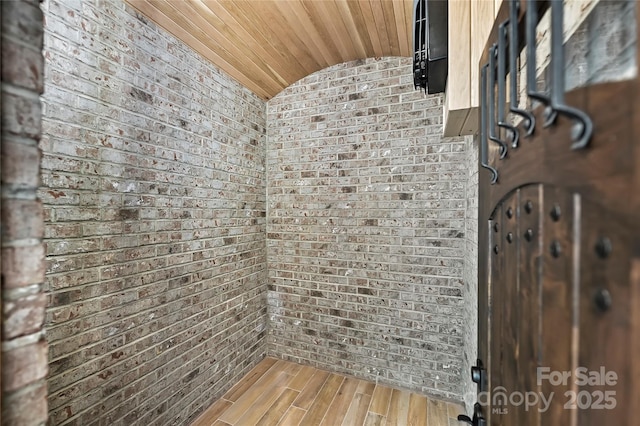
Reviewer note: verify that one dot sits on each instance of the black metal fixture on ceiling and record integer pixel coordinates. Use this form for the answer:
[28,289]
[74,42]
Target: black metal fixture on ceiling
[430,44]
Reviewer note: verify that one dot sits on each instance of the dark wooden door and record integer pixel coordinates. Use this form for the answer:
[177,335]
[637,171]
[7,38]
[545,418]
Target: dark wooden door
[559,256]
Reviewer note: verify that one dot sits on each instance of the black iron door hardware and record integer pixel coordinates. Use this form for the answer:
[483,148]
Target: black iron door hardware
[502,84]
[528,119]
[583,127]
[478,418]
[479,375]
[531,23]
[492,102]
[484,161]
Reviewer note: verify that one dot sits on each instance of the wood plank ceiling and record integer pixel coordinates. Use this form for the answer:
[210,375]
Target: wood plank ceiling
[269,44]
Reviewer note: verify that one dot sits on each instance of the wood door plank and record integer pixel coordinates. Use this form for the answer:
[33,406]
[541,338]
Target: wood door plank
[600,329]
[278,409]
[380,399]
[529,294]
[311,390]
[557,312]
[417,415]
[358,410]
[496,308]
[292,417]
[212,413]
[634,346]
[248,380]
[338,408]
[323,400]
[511,242]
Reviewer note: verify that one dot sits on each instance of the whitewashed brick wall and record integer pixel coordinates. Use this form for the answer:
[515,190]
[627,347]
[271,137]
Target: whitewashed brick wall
[153,175]
[470,275]
[366,228]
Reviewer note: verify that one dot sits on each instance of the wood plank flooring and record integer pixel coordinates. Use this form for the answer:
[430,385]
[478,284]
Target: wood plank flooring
[283,393]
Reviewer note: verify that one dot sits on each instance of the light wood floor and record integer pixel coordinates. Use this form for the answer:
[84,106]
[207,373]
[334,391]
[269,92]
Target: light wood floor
[278,392]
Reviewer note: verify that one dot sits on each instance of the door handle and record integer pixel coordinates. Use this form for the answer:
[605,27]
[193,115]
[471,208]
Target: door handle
[479,375]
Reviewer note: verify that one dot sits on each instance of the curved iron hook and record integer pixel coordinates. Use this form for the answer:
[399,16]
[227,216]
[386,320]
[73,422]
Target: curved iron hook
[583,127]
[483,125]
[502,77]
[528,119]
[492,102]
[530,30]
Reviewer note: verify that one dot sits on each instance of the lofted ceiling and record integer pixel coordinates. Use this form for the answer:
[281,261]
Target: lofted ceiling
[269,44]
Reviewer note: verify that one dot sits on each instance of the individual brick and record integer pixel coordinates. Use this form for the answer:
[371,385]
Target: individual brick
[21,116]
[23,21]
[22,219]
[24,365]
[26,407]
[23,66]
[20,164]
[24,315]
[23,266]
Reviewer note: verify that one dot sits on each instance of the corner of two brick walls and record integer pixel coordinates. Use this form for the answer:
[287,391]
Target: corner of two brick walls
[166,278]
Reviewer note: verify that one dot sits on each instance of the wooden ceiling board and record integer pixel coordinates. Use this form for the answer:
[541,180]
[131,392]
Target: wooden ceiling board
[275,30]
[151,12]
[237,33]
[367,13]
[392,31]
[236,37]
[231,52]
[299,24]
[404,25]
[381,24]
[262,34]
[317,13]
[267,45]
[360,24]
[340,25]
